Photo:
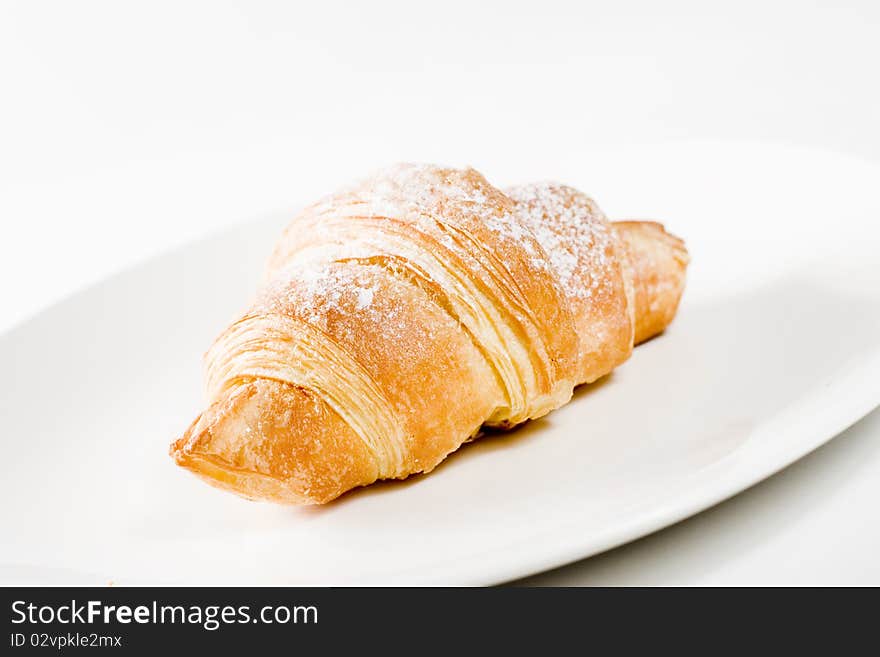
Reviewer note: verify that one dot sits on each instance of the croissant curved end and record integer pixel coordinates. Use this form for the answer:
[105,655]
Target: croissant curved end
[248,484]
[192,452]
[268,440]
[658,260]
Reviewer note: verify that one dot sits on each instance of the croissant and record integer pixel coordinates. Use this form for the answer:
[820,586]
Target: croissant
[403,314]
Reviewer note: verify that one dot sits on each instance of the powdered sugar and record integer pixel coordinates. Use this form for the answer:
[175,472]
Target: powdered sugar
[364,297]
[572,231]
[553,229]
[423,189]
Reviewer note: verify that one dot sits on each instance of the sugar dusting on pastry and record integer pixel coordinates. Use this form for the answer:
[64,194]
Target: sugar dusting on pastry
[404,312]
[459,234]
[572,230]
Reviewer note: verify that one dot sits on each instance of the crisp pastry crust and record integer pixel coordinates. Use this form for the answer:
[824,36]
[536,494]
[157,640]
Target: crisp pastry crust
[401,315]
[658,261]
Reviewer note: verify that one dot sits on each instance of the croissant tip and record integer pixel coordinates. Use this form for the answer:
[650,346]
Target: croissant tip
[181,449]
[676,244]
[177,452]
[189,453]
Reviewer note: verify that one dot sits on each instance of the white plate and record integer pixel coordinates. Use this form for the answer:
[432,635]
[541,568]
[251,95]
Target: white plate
[775,350]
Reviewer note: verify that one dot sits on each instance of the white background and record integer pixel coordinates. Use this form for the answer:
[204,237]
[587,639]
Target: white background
[127,128]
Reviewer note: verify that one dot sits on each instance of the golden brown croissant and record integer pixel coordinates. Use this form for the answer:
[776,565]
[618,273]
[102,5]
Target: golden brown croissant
[403,314]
